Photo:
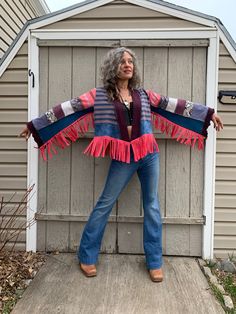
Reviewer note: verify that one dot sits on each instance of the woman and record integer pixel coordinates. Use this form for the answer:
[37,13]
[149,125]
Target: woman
[122,112]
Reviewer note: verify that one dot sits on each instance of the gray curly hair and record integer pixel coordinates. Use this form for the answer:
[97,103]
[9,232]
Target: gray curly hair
[109,71]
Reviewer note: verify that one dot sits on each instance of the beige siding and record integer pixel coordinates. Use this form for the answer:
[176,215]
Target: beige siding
[13,150]
[121,15]
[225,198]
[14,14]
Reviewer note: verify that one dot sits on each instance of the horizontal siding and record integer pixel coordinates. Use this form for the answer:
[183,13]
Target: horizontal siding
[226,62]
[23,50]
[225,197]
[9,116]
[13,102]
[227,76]
[7,143]
[223,51]
[225,187]
[228,118]
[226,173]
[11,129]
[226,159]
[12,196]
[229,132]
[13,76]
[226,146]
[225,242]
[13,149]
[19,235]
[13,156]
[13,170]
[13,182]
[20,89]
[226,214]
[14,15]
[14,209]
[19,62]
[222,228]
[225,201]
[19,223]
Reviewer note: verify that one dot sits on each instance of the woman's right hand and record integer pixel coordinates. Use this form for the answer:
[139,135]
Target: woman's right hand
[25,133]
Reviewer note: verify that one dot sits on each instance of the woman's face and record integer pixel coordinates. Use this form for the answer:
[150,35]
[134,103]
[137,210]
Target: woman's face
[126,67]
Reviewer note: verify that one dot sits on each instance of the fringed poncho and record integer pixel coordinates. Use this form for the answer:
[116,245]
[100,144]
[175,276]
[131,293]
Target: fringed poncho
[183,120]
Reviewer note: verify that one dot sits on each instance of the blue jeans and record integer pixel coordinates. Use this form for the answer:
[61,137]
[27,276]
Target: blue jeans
[119,175]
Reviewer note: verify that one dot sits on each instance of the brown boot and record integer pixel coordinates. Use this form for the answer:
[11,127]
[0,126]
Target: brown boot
[88,270]
[156,275]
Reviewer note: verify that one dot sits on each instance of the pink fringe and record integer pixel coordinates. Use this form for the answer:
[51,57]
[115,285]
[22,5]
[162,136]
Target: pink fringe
[182,135]
[120,150]
[67,135]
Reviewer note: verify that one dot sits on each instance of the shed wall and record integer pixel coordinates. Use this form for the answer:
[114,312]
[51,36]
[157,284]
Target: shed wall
[13,150]
[225,196]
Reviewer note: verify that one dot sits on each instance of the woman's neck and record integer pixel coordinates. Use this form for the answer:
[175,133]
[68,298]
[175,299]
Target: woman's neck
[123,85]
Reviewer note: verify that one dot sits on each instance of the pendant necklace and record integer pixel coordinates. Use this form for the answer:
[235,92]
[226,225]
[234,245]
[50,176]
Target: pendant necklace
[125,102]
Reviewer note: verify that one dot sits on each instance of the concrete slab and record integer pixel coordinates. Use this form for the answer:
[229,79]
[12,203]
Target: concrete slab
[122,286]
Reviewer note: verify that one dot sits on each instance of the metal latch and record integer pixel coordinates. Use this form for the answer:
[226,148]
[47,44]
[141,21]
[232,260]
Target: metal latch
[31,73]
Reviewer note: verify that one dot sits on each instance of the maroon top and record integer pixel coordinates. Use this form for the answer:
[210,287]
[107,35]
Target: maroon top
[124,118]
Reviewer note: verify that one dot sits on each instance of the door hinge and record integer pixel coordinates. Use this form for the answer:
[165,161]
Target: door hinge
[204,219]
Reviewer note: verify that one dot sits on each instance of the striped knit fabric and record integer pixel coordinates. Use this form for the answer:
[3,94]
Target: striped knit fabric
[68,121]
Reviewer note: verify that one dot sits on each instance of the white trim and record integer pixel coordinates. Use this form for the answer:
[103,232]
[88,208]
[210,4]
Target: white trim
[227,44]
[191,33]
[174,12]
[44,6]
[32,170]
[13,52]
[210,151]
[64,15]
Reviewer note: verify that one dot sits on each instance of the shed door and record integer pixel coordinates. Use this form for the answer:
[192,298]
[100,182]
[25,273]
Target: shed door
[70,183]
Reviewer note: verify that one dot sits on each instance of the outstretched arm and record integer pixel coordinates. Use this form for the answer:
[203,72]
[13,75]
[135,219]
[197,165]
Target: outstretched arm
[182,119]
[62,122]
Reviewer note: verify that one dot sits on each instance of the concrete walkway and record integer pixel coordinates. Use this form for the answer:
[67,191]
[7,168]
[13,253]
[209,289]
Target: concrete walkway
[122,286]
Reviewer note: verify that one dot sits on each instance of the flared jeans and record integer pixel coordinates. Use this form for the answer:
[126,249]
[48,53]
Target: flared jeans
[118,176]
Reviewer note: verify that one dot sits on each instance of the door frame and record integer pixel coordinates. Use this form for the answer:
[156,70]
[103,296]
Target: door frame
[211,100]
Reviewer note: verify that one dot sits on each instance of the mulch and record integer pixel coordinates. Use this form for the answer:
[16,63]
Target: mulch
[17,269]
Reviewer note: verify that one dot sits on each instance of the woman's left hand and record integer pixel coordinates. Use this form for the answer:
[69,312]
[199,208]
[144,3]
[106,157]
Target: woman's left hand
[218,124]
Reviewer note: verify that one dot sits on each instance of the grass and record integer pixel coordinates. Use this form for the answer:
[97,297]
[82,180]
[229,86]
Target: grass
[230,287]
[227,280]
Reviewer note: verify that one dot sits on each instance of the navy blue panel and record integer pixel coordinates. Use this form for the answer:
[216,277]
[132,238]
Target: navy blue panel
[107,129]
[54,128]
[188,123]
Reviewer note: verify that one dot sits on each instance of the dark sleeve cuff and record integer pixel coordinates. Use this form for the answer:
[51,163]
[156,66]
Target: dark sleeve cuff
[207,121]
[34,133]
